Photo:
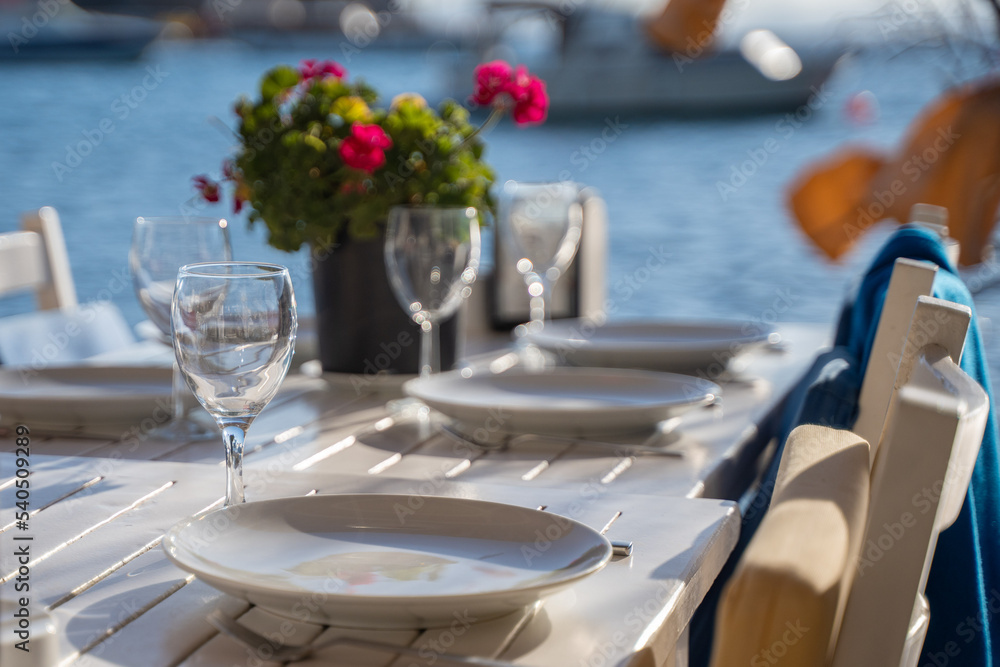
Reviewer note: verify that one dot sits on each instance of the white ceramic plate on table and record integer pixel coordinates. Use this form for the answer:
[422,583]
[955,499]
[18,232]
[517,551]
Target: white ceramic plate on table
[380,561]
[78,397]
[663,346]
[563,401]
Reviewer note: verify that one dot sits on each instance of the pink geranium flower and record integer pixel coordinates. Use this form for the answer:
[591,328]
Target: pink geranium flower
[500,85]
[312,69]
[364,149]
[207,188]
[492,79]
[531,102]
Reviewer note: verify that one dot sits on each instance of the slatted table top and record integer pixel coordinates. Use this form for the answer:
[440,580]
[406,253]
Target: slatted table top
[99,509]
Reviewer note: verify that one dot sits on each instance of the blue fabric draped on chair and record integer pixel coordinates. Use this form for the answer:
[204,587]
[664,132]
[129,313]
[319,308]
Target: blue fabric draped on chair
[963,588]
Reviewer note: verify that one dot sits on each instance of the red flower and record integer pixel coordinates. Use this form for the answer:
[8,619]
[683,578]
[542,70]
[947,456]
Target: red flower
[312,69]
[207,188]
[531,102]
[491,80]
[364,148]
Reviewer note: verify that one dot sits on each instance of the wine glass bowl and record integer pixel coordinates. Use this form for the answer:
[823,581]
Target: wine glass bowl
[160,246]
[234,326]
[541,223]
[432,259]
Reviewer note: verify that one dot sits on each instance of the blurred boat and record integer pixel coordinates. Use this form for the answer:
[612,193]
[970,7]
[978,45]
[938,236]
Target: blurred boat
[60,30]
[601,63]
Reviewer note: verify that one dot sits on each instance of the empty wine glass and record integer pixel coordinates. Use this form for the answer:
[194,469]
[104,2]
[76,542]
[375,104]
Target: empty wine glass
[541,224]
[234,329]
[160,246]
[432,258]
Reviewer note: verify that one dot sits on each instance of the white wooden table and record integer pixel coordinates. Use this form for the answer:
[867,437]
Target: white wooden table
[99,509]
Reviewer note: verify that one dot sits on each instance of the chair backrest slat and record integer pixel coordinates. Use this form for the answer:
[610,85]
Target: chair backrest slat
[910,280]
[59,290]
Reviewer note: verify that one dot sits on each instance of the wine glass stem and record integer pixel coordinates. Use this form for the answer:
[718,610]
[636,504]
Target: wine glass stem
[177,388]
[546,301]
[429,353]
[233,434]
[541,304]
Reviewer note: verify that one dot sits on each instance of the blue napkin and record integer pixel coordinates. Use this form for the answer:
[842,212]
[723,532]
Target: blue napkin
[963,588]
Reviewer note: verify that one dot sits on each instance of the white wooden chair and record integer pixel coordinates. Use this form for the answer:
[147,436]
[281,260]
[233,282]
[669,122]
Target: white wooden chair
[36,259]
[61,331]
[928,449]
[926,418]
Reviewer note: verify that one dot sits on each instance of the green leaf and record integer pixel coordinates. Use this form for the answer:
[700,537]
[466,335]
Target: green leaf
[277,80]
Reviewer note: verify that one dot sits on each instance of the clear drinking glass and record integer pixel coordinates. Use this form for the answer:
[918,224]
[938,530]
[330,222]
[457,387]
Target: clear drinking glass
[234,329]
[541,224]
[432,259]
[160,246]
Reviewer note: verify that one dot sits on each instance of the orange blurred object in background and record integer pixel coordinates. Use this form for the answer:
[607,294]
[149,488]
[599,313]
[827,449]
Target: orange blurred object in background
[950,157]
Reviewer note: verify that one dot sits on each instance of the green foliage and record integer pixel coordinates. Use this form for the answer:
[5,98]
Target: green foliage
[289,169]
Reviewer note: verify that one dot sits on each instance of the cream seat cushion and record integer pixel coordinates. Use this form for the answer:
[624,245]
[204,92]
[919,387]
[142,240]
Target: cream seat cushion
[785,599]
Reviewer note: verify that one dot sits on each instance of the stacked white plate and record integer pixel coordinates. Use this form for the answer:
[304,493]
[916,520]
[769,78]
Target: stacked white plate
[663,346]
[562,401]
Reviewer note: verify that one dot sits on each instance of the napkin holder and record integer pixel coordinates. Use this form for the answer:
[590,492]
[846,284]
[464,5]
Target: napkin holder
[579,292]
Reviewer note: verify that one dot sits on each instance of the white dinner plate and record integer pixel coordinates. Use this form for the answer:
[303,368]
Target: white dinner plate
[385,561]
[76,397]
[663,346]
[562,401]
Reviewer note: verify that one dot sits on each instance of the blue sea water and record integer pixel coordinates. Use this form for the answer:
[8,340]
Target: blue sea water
[142,129]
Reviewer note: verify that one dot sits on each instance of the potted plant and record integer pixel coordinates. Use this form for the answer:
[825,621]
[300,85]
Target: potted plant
[320,164]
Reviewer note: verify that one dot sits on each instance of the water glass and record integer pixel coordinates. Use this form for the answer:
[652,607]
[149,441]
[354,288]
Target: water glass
[432,259]
[541,223]
[160,246]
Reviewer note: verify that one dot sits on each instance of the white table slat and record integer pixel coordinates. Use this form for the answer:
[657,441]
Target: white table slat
[467,637]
